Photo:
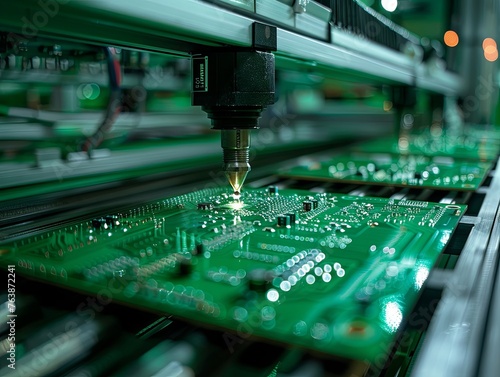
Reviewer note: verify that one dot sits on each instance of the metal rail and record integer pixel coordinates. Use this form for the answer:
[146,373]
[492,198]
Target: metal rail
[454,341]
[180,27]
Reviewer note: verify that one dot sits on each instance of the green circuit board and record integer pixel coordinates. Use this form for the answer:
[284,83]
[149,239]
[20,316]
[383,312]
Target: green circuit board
[440,173]
[470,147]
[328,272]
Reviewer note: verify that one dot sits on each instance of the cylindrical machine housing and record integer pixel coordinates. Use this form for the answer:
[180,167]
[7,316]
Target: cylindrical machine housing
[233,87]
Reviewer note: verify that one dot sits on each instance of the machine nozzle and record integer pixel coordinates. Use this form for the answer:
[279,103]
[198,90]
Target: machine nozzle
[236,148]
[233,86]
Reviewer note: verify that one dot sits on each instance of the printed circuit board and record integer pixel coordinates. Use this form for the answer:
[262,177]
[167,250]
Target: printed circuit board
[327,272]
[439,173]
[484,147]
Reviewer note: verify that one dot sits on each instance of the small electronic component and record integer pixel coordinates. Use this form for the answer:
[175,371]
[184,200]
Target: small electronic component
[328,272]
[440,173]
[205,206]
[283,220]
[307,205]
[292,217]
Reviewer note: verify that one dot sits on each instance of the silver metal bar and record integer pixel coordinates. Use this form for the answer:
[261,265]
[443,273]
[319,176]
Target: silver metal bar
[320,54]
[470,220]
[482,190]
[181,27]
[360,191]
[453,343]
[438,278]
[438,80]
[17,174]
[400,194]
[424,194]
[449,198]
[490,362]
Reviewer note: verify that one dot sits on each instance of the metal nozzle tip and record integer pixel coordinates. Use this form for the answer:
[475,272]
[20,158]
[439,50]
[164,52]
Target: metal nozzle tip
[236,180]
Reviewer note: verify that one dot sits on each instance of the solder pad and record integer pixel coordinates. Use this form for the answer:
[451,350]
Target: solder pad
[441,173]
[340,279]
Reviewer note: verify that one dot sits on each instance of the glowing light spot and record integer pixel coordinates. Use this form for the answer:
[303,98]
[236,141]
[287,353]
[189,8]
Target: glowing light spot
[268,313]
[300,328]
[392,271]
[446,236]
[408,120]
[273,295]
[491,53]
[389,5]
[489,42]
[236,205]
[89,91]
[392,316]
[310,279]
[285,286]
[451,38]
[240,314]
[340,272]
[319,331]
[293,280]
[490,49]
[403,143]
[326,277]
[421,276]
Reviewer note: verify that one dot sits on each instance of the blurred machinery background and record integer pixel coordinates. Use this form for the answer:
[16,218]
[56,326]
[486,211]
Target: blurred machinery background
[107,105]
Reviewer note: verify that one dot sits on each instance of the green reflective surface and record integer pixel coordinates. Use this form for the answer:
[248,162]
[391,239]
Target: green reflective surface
[440,173]
[340,279]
